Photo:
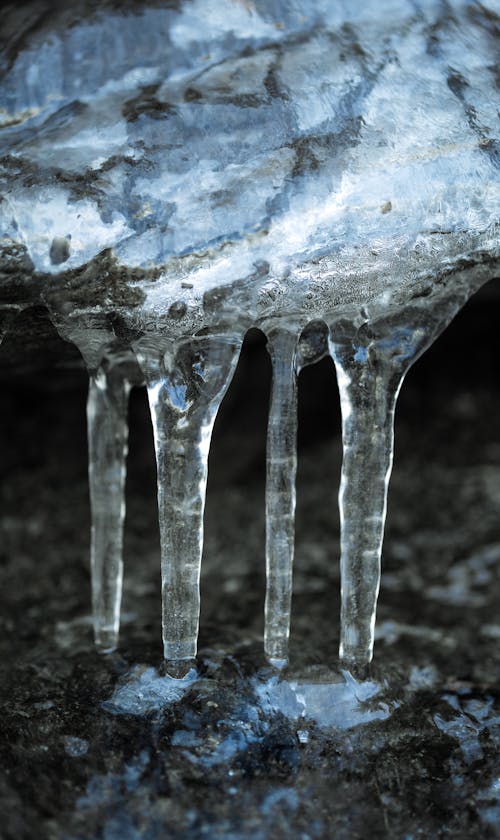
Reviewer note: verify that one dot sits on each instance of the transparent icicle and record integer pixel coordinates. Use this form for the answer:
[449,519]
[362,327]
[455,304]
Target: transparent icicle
[288,356]
[186,383]
[107,426]
[280,493]
[371,357]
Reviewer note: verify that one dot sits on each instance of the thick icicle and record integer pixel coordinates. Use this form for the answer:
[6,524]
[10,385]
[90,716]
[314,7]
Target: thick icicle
[280,493]
[107,440]
[186,383]
[288,355]
[371,360]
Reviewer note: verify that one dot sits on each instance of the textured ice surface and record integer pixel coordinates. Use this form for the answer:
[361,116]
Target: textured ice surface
[330,142]
[146,691]
[175,173]
[343,703]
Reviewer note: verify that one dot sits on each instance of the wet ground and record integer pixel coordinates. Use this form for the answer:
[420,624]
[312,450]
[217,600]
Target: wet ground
[104,747]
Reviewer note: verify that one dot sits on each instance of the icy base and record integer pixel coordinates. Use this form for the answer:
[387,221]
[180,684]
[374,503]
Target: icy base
[422,757]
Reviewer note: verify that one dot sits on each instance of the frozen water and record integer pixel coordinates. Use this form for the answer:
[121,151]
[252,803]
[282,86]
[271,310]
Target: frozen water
[172,175]
[186,383]
[342,703]
[107,435]
[145,691]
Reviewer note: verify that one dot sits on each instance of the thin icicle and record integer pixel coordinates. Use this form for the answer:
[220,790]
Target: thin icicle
[280,492]
[368,394]
[107,440]
[186,383]
[289,355]
[371,359]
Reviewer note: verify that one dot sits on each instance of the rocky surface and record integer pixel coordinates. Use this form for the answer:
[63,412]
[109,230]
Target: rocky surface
[104,747]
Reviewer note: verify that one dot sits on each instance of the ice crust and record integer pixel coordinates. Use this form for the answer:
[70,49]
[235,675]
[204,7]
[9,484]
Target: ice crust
[351,148]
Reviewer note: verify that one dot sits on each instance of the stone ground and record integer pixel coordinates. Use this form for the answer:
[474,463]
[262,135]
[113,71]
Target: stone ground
[103,747]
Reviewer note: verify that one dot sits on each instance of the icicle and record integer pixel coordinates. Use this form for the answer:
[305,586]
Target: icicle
[107,406]
[371,358]
[280,493]
[112,370]
[186,383]
[288,356]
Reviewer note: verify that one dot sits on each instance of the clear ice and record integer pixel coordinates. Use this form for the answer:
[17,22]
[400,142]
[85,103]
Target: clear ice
[186,382]
[327,172]
[107,430]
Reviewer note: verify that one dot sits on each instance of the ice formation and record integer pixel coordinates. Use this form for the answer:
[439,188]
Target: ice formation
[174,173]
